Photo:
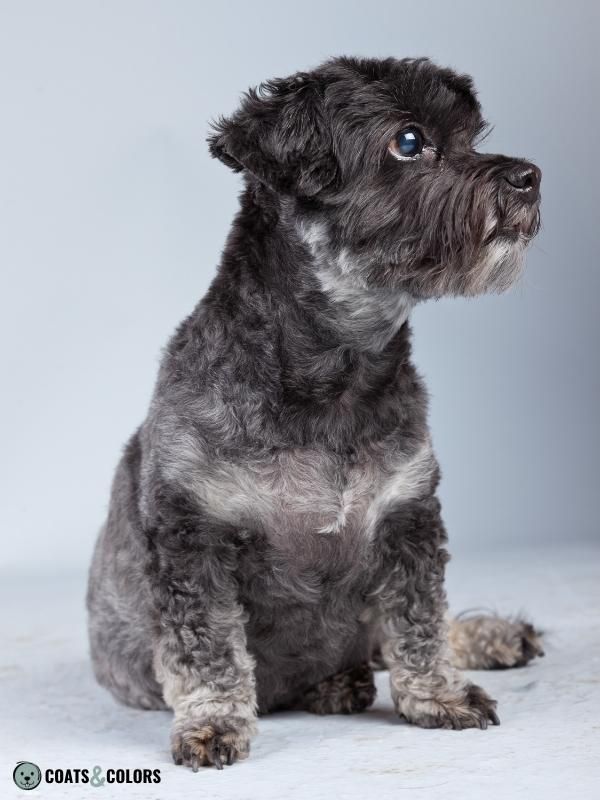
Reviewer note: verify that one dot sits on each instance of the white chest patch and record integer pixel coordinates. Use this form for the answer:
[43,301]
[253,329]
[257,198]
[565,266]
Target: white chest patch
[305,490]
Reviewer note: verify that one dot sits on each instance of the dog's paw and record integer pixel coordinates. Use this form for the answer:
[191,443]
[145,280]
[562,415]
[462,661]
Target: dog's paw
[204,746]
[348,692]
[472,708]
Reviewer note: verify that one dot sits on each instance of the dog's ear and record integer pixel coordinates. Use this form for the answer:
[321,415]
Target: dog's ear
[281,135]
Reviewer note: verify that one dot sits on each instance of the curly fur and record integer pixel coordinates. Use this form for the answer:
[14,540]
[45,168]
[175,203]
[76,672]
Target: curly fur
[274,519]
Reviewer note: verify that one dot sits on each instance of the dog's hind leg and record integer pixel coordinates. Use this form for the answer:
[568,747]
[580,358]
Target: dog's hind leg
[120,635]
[120,616]
[486,641]
[347,692]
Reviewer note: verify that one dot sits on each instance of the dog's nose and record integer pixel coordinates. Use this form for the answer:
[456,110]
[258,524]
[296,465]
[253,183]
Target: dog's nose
[524,178]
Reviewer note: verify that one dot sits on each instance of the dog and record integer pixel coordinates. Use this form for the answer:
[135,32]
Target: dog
[274,524]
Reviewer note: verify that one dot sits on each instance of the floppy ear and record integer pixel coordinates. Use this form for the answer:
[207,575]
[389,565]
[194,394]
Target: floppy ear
[279,134]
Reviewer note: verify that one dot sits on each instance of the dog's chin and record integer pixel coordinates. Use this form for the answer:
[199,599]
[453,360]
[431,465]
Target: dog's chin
[499,265]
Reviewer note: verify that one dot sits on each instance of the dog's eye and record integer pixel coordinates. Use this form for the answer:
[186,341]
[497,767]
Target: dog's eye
[407,144]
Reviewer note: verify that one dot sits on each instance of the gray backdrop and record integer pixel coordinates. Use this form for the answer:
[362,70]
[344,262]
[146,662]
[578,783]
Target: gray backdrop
[112,218]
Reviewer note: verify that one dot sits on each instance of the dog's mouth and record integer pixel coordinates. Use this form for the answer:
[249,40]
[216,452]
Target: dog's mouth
[521,232]
[516,224]
[514,235]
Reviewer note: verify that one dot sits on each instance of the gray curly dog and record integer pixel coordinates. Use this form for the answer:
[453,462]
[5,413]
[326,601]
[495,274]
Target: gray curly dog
[274,526]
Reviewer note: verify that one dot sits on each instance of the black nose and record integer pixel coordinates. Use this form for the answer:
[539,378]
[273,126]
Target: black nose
[524,178]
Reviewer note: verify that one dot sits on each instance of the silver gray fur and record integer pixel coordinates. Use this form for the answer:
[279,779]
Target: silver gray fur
[274,520]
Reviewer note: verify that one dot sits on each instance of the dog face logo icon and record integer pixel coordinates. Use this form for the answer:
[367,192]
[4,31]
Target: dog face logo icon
[27,775]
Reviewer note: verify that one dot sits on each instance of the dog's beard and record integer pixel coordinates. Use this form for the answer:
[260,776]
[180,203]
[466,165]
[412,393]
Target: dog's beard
[476,249]
[498,267]
[499,263]
[489,259]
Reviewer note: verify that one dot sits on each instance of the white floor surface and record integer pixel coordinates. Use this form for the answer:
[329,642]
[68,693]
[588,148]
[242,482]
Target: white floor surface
[548,745]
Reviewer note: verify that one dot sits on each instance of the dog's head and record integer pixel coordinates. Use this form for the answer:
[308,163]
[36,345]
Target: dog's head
[377,159]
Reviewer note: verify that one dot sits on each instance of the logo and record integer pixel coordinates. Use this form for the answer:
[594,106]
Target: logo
[27,775]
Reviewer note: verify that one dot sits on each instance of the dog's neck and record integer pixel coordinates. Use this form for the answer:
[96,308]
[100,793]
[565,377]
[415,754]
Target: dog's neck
[366,317]
[293,257]
[332,357]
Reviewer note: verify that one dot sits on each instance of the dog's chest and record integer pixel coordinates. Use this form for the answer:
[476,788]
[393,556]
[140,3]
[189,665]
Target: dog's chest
[300,492]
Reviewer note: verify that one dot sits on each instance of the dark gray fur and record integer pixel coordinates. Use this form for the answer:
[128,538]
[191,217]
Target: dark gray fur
[274,518]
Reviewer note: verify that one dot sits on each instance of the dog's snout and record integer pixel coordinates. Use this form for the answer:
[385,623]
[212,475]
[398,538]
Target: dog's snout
[524,178]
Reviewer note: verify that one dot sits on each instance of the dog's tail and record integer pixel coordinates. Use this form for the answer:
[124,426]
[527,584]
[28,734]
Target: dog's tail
[487,641]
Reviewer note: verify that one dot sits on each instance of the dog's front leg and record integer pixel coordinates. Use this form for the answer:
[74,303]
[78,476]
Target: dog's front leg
[427,690]
[200,655]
